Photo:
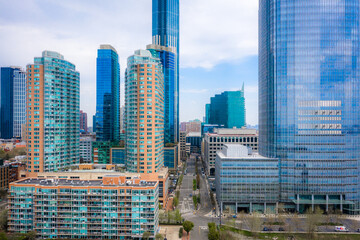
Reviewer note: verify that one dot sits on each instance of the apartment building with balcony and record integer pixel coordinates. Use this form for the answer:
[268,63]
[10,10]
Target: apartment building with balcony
[114,207]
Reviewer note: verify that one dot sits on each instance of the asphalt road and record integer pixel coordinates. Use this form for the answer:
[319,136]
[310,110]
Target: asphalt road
[186,202]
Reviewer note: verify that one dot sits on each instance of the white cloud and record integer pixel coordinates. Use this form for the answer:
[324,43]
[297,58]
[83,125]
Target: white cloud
[211,32]
[214,31]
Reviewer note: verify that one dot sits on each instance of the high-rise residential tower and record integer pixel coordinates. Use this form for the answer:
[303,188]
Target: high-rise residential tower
[52,100]
[12,102]
[165,33]
[144,113]
[228,109]
[83,122]
[107,94]
[309,100]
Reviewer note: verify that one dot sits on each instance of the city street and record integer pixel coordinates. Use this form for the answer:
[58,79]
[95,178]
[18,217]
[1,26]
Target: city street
[186,202]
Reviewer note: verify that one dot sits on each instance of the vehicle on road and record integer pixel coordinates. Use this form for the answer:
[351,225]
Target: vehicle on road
[281,229]
[358,230]
[190,195]
[266,229]
[341,229]
[234,216]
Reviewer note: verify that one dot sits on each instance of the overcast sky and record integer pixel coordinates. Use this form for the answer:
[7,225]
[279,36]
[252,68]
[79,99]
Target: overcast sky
[218,43]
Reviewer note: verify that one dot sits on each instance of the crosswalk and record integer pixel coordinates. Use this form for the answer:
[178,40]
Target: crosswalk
[186,205]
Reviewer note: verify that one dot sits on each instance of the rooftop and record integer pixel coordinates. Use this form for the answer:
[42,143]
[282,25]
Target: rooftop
[233,131]
[82,183]
[239,151]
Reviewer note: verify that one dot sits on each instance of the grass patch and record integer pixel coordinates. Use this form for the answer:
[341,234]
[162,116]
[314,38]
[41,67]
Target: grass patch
[274,223]
[297,236]
[329,224]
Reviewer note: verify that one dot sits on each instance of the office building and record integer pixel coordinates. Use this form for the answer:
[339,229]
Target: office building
[193,126]
[94,124]
[117,155]
[171,156]
[107,94]
[228,109]
[183,155]
[83,122]
[246,181]
[165,38]
[86,149]
[12,102]
[52,113]
[9,173]
[167,55]
[210,128]
[101,151]
[309,94]
[114,207]
[194,138]
[213,142]
[144,113]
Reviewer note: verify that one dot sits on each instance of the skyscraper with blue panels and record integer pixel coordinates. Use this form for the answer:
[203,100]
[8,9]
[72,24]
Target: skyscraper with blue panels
[165,33]
[107,94]
[309,99]
[228,109]
[167,55]
[12,102]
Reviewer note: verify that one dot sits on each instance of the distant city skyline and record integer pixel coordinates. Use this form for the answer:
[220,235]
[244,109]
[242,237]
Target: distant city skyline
[68,27]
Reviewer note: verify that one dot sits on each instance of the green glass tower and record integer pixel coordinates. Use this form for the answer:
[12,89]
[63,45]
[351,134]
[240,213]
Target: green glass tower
[228,109]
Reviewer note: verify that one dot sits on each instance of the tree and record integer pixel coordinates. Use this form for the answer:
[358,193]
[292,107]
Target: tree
[313,219]
[242,218]
[4,220]
[194,184]
[146,235]
[181,231]
[175,202]
[177,216]
[30,235]
[213,233]
[188,226]
[255,222]
[3,236]
[159,236]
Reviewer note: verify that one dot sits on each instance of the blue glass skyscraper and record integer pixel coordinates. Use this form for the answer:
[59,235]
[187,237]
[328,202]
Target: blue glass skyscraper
[165,33]
[309,100]
[107,95]
[12,102]
[167,55]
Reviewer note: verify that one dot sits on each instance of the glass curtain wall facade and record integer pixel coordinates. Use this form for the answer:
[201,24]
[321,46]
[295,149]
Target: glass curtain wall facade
[168,59]
[228,109]
[107,94]
[12,102]
[53,107]
[309,99]
[165,32]
[144,113]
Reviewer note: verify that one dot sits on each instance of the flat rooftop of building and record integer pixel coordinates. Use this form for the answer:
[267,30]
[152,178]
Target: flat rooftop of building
[80,183]
[238,151]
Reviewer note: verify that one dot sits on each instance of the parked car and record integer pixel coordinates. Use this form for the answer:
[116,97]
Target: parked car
[341,229]
[266,229]
[281,229]
[358,230]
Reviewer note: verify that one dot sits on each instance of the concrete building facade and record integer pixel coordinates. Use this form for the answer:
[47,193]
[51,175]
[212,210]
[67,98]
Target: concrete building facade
[213,142]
